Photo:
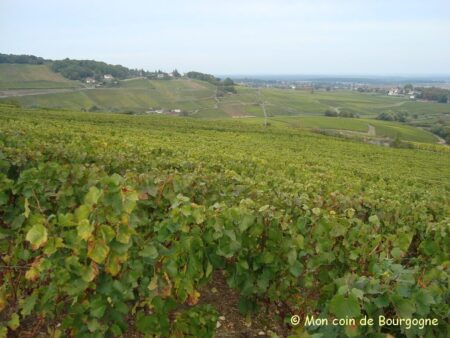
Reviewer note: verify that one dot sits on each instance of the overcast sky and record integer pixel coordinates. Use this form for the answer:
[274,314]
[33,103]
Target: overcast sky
[373,37]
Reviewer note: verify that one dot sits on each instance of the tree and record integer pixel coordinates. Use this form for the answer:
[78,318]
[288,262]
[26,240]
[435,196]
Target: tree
[408,86]
[80,69]
[443,98]
[433,94]
[331,113]
[228,82]
[21,59]
[175,73]
[393,116]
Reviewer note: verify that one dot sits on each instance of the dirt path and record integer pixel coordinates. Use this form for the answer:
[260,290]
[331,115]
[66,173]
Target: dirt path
[133,78]
[441,141]
[216,99]
[263,106]
[397,104]
[28,92]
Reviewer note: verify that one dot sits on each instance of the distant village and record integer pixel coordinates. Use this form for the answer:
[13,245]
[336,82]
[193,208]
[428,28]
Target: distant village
[109,79]
[427,93]
[398,91]
[422,91]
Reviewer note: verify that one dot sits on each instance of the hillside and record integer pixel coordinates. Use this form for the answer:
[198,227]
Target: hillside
[39,86]
[361,128]
[25,76]
[163,226]
[279,102]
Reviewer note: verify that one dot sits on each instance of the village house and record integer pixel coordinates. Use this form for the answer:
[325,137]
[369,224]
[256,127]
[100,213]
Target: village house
[393,92]
[89,80]
[108,77]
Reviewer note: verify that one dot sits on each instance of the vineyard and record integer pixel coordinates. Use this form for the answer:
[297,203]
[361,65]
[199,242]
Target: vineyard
[111,224]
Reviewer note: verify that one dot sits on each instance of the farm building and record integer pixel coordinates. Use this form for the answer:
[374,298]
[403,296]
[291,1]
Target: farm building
[393,92]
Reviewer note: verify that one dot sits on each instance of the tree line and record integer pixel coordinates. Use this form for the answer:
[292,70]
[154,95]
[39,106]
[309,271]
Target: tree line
[81,69]
[433,94]
[75,69]
[223,87]
[22,59]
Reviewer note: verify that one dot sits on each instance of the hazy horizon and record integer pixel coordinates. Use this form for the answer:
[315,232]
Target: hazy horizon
[254,38]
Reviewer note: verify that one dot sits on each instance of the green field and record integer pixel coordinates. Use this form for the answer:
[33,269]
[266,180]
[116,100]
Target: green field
[359,126]
[134,95]
[15,76]
[116,225]
[198,99]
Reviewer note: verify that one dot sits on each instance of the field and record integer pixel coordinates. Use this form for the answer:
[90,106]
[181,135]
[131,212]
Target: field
[352,126]
[199,99]
[159,225]
[133,95]
[295,108]
[36,86]
[15,76]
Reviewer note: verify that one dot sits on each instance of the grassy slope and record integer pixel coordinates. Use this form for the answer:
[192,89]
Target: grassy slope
[404,132]
[15,76]
[136,95]
[382,128]
[198,99]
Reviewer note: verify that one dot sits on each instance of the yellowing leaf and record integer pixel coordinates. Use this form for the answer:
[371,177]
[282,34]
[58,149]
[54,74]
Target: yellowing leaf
[113,265]
[33,273]
[193,298]
[89,272]
[82,212]
[3,298]
[167,291]
[350,212]
[153,283]
[37,236]
[92,196]
[98,251]
[107,233]
[26,208]
[14,322]
[316,211]
[53,245]
[85,229]
[129,202]
[123,234]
